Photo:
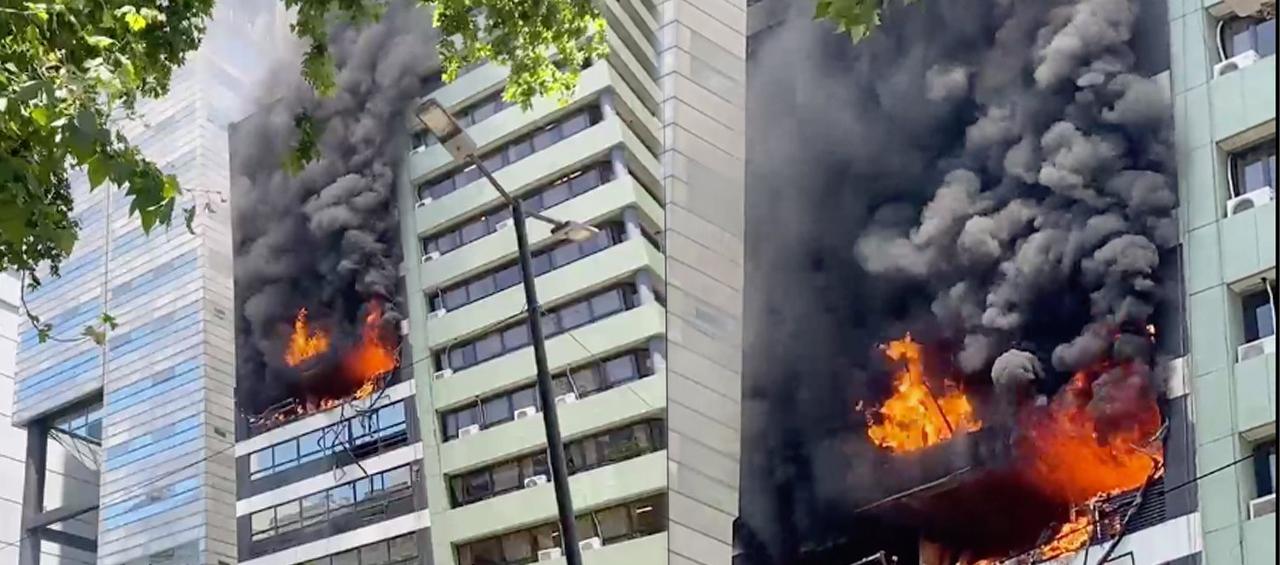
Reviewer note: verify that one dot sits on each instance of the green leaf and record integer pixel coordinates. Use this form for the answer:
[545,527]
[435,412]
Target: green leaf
[65,240]
[109,321]
[40,114]
[170,189]
[99,41]
[97,171]
[135,21]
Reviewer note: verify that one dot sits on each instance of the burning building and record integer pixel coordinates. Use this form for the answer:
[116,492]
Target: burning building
[966,287]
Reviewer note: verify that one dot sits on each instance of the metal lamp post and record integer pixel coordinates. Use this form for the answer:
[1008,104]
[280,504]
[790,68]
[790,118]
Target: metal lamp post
[463,149]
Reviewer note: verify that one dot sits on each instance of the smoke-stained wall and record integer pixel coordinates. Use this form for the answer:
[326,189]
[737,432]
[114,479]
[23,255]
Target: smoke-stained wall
[324,239]
[987,175]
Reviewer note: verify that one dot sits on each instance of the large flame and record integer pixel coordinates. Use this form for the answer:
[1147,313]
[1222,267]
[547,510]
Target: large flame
[305,342]
[915,416]
[1070,538]
[372,357]
[1068,453]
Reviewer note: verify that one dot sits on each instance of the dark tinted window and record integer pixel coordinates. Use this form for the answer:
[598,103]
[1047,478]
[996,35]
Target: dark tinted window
[1250,34]
[1259,313]
[1255,168]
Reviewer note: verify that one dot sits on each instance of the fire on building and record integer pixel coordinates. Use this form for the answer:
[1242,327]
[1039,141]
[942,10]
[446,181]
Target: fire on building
[959,252]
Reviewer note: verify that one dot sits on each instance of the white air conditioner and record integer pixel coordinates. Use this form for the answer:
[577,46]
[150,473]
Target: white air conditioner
[425,200]
[526,412]
[1253,199]
[469,430]
[535,481]
[589,544]
[444,373]
[1235,63]
[504,224]
[549,554]
[431,256]
[1262,506]
[567,398]
[404,327]
[1256,348]
[437,313]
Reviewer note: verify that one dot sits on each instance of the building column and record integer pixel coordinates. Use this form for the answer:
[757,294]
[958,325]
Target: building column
[607,110]
[33,492]
[644,288]
[658,354]
[618,159]
[631,223]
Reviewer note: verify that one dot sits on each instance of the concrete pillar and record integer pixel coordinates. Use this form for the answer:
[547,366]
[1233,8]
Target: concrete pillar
[658,354]
[644,288]
[33,492]
[606,105]
[631,222]
[618,159]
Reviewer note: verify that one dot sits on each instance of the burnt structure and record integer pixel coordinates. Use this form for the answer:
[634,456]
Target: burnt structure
[847,140]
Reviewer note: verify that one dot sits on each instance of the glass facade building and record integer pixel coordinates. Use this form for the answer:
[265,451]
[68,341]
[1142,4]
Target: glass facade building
[158,393]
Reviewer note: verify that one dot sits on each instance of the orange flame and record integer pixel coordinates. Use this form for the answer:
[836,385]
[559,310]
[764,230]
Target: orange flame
[1070,538]
[372,357]
[915,417]
[304,342]
[1067,455]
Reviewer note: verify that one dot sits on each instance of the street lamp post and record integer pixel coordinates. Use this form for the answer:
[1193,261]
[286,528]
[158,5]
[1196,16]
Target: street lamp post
[463,149]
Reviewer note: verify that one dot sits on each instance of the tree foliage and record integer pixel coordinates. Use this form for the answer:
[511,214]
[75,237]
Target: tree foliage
[68,68]
[858,18]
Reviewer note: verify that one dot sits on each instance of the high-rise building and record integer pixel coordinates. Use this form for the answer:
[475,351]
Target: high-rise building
[642,321]
[1223,83]
[150,410]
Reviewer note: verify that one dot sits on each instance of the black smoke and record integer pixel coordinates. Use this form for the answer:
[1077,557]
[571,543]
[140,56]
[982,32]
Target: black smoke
[327,237]
[990,175]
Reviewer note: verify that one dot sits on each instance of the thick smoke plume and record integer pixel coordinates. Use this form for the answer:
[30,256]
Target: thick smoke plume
[993,176]
[326,238]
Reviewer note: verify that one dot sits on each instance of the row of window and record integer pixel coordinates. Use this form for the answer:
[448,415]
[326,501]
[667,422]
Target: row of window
[1255,168]
[597,376]
[472,114]
[513,151]
[559,190]
[400,550]
[1249,34]
[386,425]
[616,524]
[363,497]
[515,336]
[507,275]
[87,422]
[613,446]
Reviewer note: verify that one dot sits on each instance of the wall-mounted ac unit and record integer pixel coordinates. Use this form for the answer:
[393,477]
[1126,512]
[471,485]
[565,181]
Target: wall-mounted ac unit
[527,412]
[1250,200]
[469,430]
[549,554]
[432,256]
[1235,63]
[535,481]
[404,327]
[590,544]
[1262,506]
[425,200]
[444,373]
[1256,348]
[567,398]
[436,313]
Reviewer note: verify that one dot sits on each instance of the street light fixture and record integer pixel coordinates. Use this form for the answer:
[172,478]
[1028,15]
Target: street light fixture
[455,139]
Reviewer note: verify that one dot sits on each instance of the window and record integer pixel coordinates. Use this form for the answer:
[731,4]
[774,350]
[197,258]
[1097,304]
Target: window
[402,550]
[584,381]
[1249,34]
[1258,312]
[615,524]
[605,448]
[383,429]
[1264,468]
[513,151]
[1254,168]
[466,354]
[488,222]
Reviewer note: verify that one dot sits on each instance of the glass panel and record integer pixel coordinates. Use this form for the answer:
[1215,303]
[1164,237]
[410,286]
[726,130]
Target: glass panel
[495,162]
[375,554]
[456,357]
[546,537]
[486,552]
[1240,43]
[261,523]
[480,288]
[363,489]
[555,195]
[477,486]
[550,325]
[455,298]
[524,398]
[586,527]
[489,347]
[545,138]
[519,150]
[517,547]
[541,263]
[404,547]
[575,124]
[515,337]
[474,230]
[457,487]
[310,444]
[506,477]
[1255,176]
[620,370]
[608,303]
[507,277]
[314,507]
[587,380]
[391,415]
[1267,38]
[341,497]
[481,112]
[397,477]
[564,254]
[285,452]
[287,515]
[586,181]
[650,516]
[347,558]
[615,524]
[260,460]
[497,410]
[575,315]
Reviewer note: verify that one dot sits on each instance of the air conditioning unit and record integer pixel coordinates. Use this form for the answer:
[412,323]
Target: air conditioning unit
[1256,348]
[535,481]
[436,314]
[425,200]
[566,398]
[504,224]
[444,373]
[469,430]
[589,544]
[404,327]
[1262,506]
[431,256]
[526,412]
[1235,63]
[1252,199]
[549,554]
